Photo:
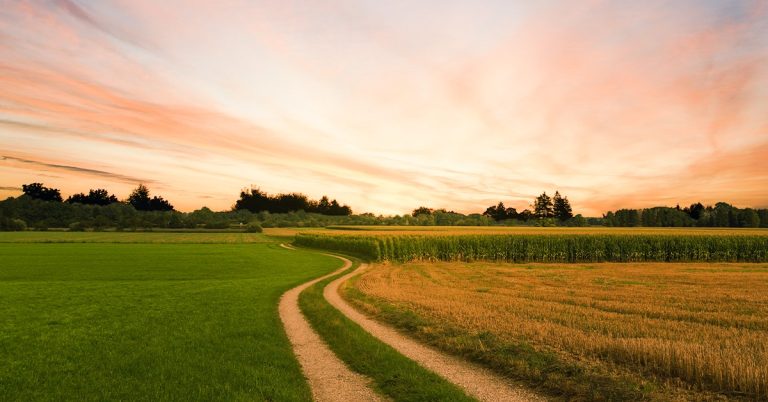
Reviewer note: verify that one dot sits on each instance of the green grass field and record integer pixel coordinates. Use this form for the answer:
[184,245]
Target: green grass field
[144,321]
[133,237]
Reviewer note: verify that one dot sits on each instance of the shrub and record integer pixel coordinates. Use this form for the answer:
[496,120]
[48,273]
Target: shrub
[16,225]
[253,227]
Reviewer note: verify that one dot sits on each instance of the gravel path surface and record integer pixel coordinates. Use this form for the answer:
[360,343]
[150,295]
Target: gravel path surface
[477,381]
[329,379]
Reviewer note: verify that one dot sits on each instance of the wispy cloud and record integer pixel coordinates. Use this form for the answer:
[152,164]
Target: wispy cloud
[386,107]
[77,170]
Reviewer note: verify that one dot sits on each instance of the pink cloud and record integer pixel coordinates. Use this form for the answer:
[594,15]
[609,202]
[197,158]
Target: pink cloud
[610,102]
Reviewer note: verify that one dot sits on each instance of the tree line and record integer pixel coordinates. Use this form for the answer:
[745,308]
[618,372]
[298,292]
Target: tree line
[721,214]
[41,207]
[139,197]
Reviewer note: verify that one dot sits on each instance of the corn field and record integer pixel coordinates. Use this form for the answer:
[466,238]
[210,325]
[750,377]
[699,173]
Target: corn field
[560,248]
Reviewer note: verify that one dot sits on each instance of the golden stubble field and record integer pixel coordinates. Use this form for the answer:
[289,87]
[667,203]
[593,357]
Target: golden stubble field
[700,326]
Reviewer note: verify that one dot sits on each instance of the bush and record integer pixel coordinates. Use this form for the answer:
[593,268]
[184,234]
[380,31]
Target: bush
[77,227]
[253,227]
[16,225]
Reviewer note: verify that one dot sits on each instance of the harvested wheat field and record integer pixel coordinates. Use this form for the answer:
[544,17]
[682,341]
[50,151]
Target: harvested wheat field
[596,331]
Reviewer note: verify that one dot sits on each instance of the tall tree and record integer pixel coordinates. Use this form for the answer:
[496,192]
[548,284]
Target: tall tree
[495,212]
[695,210]
[139,198]
[254,200]
[40,192]
[324,205]
[542,206]
[561,207]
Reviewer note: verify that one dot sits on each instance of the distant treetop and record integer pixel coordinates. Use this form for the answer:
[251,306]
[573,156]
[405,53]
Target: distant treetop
[40,192]
[256,200]
[140,200]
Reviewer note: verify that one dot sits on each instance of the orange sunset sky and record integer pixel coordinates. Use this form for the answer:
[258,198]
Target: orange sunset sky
[389,105]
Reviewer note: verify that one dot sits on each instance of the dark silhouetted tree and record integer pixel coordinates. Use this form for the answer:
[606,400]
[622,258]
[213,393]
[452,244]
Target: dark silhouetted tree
[500,212]
[561,207]
[339,210]
[323,206]
[40,192]
[695,210]
[94,197]
[254,200]
[290,202]
[140,200]
[159,204]
[542,206]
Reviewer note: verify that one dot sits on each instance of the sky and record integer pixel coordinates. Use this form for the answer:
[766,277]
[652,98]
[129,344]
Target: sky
[389,105]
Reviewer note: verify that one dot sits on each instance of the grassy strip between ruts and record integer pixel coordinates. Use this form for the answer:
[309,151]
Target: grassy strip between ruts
[393,374]
[538,369]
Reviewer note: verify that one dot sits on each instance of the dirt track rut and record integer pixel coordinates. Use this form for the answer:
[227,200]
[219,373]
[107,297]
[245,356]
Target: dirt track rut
[477,381]
[329,378]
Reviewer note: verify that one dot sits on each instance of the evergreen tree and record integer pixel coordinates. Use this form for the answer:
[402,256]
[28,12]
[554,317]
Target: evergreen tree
[139,198]
[562,207]
[542,206]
